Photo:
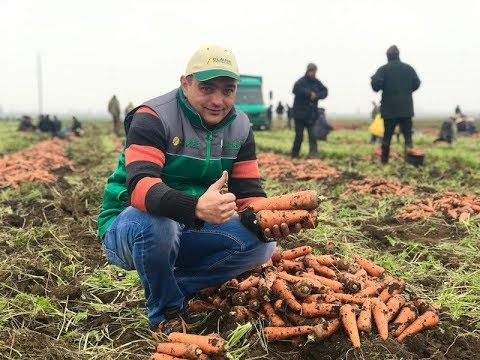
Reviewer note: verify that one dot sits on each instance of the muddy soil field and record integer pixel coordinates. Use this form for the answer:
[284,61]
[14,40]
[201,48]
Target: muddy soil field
[60,300]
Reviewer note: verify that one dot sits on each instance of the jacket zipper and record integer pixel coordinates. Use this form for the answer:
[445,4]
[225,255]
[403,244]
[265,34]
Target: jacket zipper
[207,155]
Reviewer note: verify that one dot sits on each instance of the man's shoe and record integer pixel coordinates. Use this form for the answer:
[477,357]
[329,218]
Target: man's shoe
[177,320]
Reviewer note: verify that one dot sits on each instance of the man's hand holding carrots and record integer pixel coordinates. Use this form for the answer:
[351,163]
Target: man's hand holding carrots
[282,231]
[216,206]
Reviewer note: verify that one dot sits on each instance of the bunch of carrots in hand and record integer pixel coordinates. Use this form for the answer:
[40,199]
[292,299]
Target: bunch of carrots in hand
[301,296]
[190,346]
[298,207]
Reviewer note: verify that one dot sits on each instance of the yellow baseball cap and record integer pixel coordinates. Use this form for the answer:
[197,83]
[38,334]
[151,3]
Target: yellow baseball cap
[212,61]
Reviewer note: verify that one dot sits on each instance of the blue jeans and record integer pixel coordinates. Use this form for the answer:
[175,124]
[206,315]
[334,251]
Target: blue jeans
[174,261]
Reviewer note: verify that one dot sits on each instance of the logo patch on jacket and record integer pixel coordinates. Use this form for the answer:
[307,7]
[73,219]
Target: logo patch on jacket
[176,141]
[231,145]
[192,143]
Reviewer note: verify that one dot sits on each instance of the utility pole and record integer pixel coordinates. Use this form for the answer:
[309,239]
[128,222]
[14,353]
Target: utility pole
[39,84]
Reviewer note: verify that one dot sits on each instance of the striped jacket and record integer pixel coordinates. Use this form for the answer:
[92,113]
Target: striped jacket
[170,159]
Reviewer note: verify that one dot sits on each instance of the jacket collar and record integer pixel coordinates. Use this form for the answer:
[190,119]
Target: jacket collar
[195,118]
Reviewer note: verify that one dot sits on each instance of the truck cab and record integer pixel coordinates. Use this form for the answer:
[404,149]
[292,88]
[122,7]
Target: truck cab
[250,100]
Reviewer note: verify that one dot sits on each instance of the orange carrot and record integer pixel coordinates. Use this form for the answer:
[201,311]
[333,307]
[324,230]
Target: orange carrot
[325,329]
[349,321]
[200,306]
[290,265]
[305,200]
[279,305]
[281,289]
[210,344]
[349,283]
[361,274]
[274,333]
[394,304]
[189,351]
[296,253]
[302,289]
[266,219]
[328,298]
[326,260]
[296,319]
[332,284]
[319,309]
[427,320]
[317,287]
[421,304]
[276,256]
[251,281]
[371,268]
[371,290]
[311,261]
[274,319]
[350,298]
[380,315]
[342,264]
[293,279]
[405,317]
[364,321]
[160,356]
[394,287]
[240,313]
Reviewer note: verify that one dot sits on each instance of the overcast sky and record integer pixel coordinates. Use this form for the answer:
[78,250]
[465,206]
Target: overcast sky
[92,49]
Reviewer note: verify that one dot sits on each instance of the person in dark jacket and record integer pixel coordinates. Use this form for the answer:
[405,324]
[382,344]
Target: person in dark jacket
[289,117]
[45,124]
[308,90]
[397,81]
[279,110]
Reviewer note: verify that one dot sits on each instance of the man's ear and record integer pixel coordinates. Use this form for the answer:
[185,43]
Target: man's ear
[183,83]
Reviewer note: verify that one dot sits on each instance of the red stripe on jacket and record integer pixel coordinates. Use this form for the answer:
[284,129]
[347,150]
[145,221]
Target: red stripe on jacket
[139,193]
[146,110]
[247,169]
[144,153]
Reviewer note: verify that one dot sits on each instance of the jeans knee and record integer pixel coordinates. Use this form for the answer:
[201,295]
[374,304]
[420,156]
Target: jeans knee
[161,233]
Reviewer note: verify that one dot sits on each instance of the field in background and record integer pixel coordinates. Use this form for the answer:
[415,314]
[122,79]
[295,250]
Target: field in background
[60,300]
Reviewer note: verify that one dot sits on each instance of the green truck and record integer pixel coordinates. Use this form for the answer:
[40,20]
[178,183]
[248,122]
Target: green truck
[250,100]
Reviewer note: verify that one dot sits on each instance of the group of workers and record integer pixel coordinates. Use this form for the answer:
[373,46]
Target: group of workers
[48,125]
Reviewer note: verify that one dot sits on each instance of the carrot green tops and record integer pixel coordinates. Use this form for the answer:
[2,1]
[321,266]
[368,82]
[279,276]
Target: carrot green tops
[171,158]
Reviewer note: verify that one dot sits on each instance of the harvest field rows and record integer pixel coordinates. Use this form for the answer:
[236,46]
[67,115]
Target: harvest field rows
[60,300]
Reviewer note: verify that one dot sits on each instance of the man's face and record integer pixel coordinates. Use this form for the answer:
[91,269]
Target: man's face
[212,99]
[311,74]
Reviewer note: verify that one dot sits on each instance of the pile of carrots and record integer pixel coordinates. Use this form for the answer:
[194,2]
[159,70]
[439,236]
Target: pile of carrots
[293,208]
[377,187]
[454,205]
[190,346]
[34,164]
[300,297]
[278,167]
[377,154]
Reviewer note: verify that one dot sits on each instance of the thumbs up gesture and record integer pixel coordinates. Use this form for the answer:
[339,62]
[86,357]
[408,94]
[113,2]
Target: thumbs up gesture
[216,205]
